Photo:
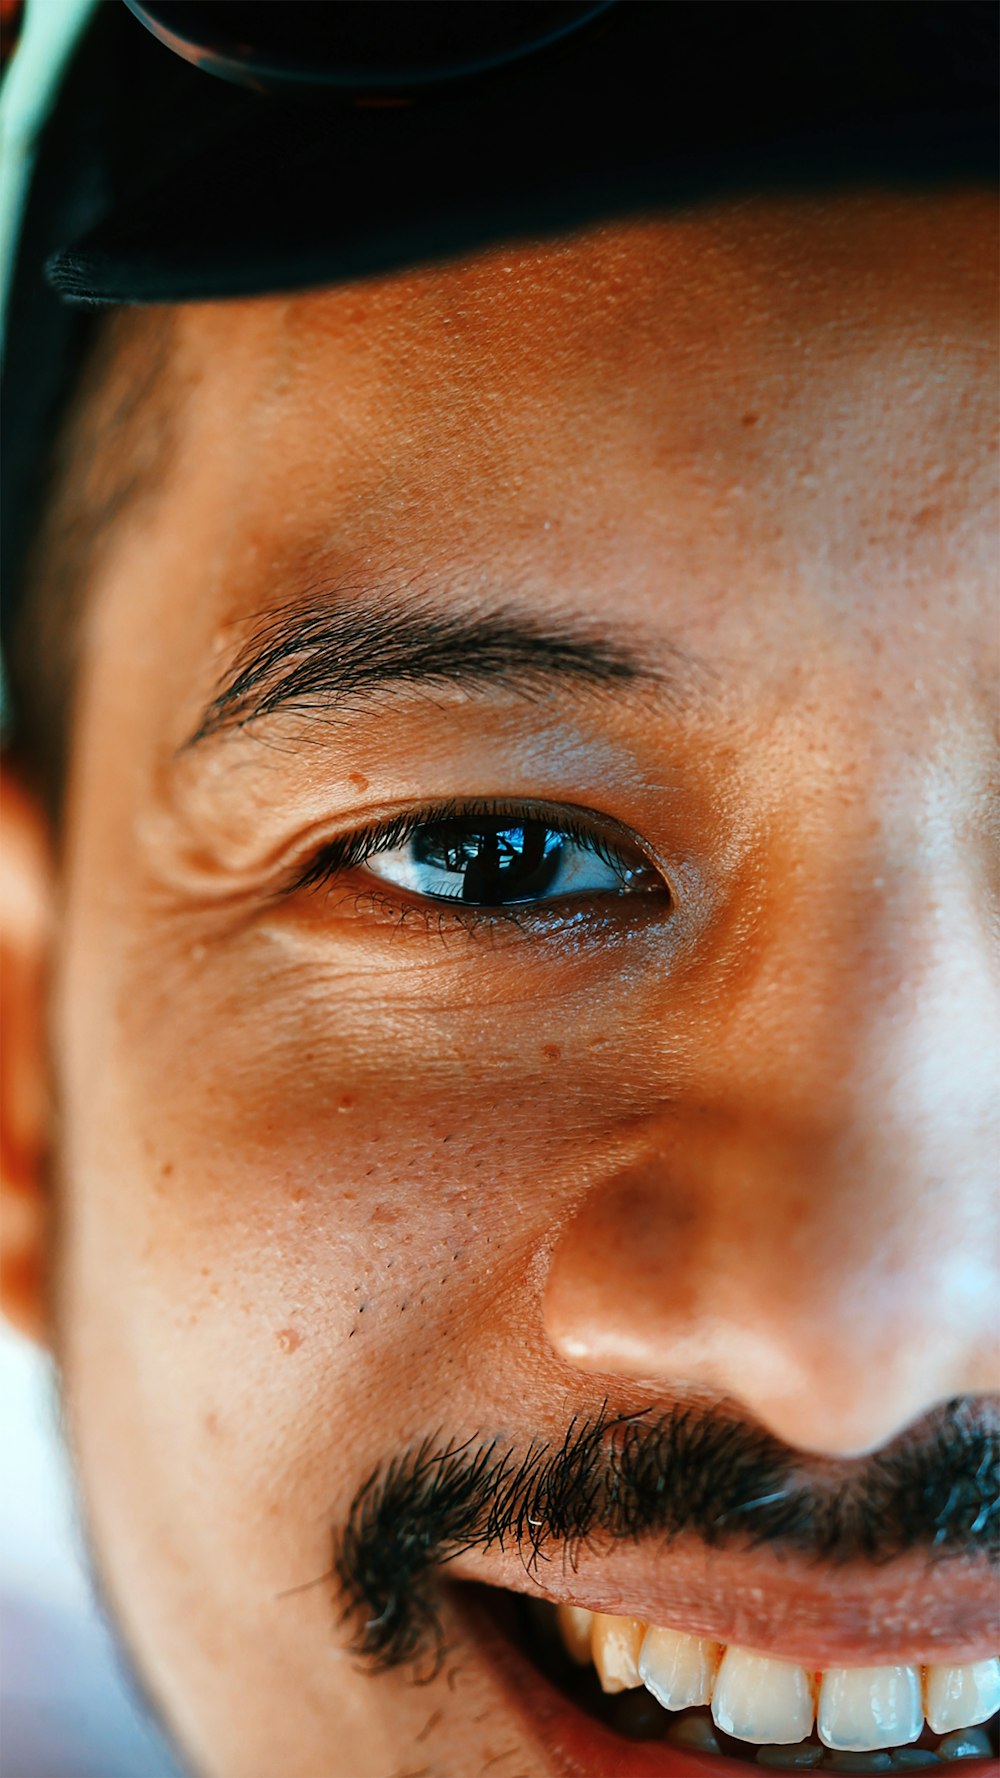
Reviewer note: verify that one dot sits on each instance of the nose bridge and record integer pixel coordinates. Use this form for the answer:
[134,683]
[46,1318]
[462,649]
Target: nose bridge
[819,1237]
[868,1022]
[859,1188]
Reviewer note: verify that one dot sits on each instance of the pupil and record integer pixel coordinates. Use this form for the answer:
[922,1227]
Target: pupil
[498,864]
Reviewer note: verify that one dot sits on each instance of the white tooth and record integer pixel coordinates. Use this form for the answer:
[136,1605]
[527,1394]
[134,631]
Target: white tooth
[574,1629]
[863,1707]
[958,1697]
[758,1699]
[966,1744]
[614,1648]
[695,1733]
[678,1669]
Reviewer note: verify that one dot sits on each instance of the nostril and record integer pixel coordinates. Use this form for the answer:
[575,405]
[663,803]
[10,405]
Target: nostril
[829,1358]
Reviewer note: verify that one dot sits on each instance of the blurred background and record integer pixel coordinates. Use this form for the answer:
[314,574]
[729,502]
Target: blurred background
[66,1707]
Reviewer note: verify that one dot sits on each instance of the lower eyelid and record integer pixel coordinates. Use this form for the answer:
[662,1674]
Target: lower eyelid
[526,922]
[354,907]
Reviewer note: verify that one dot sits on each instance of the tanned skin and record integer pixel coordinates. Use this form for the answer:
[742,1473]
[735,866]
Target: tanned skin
[299,1176]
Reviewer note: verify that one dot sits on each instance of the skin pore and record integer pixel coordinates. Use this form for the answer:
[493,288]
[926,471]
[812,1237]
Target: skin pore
[337,1171]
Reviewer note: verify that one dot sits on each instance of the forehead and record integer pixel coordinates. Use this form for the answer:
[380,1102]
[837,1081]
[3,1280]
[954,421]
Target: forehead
[775,416]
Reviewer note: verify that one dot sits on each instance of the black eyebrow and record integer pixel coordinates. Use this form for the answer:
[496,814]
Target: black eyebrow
[320,656]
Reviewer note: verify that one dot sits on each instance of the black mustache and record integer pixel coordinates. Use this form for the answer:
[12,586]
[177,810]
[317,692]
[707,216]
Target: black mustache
[637,1476]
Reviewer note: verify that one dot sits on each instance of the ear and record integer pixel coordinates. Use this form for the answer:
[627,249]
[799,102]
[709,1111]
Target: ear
[26,908]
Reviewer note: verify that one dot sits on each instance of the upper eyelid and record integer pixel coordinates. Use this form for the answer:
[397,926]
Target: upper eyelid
[353,848]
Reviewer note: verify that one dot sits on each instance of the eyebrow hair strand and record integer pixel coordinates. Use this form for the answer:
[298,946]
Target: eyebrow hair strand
[308,657]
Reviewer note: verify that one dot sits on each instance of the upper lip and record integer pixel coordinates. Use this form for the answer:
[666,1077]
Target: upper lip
[914,1611]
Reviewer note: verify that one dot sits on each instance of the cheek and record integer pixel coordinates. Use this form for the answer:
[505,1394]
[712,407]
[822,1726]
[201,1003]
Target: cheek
[307,1209]
[323,1132]
[286,1200]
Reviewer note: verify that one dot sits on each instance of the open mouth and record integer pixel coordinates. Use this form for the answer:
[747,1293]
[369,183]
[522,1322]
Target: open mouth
[614,1697]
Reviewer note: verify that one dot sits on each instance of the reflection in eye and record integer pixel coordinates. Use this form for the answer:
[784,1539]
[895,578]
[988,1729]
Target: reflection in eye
[503,862]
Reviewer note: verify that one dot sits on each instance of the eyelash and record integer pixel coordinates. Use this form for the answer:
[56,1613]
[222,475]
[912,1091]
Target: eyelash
[350,851]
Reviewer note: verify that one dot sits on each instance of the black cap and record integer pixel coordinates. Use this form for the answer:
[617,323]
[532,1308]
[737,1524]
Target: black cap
[157,183]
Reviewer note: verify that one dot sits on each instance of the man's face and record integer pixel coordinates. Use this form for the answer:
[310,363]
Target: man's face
[645,582]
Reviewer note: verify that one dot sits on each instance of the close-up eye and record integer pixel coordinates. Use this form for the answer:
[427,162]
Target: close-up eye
[503,863]
[489,859]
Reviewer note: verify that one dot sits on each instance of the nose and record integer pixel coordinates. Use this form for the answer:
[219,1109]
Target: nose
[815,1233]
